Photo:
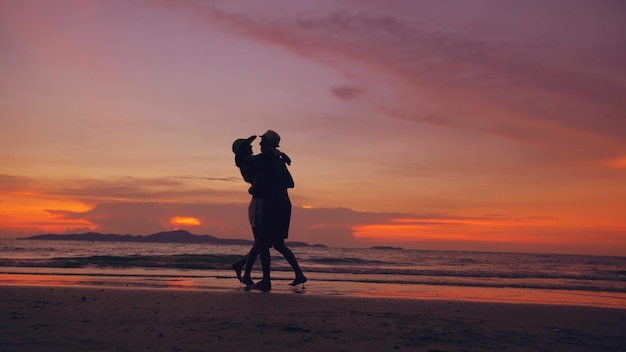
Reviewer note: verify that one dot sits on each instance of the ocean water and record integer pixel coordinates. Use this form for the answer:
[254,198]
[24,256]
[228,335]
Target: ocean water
[510,277]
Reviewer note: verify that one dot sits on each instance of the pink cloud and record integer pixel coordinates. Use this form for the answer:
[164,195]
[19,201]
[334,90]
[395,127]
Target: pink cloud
[346,92]
[496,80]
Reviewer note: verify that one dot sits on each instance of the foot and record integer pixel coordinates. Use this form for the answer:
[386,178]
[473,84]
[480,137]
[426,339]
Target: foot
[247,281]
[300,279]
[237,267]
[263,285]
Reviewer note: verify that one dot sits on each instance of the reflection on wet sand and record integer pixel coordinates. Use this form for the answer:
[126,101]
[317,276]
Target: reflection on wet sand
[38,280]
[507,295]
[224,281]
[131,281]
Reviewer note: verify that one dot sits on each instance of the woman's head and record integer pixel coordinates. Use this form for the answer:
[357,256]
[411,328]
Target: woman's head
[243,146]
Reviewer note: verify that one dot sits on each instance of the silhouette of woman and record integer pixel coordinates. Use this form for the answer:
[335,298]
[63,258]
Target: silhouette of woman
[270,208]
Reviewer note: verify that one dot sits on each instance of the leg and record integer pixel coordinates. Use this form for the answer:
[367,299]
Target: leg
[255,216]
[265,284]
[263,248]
[238,265]
[291,259]
[251,258]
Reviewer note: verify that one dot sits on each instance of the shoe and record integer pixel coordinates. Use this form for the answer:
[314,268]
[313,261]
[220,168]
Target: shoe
[262,285]
[300,279]
[237,267]
[247,281]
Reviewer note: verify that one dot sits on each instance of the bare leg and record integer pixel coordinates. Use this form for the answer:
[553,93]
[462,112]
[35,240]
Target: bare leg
[238,265]
[265,284]
[251,257]
[291,259]
[260,248]
[263,248]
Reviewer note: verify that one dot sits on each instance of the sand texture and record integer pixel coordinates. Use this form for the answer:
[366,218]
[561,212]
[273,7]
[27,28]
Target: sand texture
[109,319]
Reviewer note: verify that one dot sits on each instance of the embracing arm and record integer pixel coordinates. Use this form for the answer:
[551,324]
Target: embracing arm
[284,157]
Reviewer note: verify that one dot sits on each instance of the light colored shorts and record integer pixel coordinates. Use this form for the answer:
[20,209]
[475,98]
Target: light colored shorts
[256,212]
[271,217]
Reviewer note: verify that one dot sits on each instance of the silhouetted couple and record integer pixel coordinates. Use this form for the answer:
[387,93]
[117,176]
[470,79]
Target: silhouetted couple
[269,211]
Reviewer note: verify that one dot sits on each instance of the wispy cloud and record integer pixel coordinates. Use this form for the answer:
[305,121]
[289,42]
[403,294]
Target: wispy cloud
[495,78]
[119,188]
[223,179]
[346,92]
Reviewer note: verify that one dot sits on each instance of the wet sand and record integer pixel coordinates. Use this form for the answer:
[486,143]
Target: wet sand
[117,319]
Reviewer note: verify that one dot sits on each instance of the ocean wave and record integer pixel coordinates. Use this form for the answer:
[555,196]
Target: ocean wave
[181,261]
[399,282]
[359,261]
[330,265]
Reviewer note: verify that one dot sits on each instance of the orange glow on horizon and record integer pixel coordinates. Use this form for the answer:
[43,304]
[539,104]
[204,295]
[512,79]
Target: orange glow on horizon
[185,220]
[619,163]
[31,213]
[446,229]
[460,221]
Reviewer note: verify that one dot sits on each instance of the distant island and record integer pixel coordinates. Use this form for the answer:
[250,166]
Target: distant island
[177,236]
[387,247]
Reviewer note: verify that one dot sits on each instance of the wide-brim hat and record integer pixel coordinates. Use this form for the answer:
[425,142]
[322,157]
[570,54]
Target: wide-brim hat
[271,138]
[238,143]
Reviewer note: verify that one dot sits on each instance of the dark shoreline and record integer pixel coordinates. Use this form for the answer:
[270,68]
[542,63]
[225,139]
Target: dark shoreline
[178,236]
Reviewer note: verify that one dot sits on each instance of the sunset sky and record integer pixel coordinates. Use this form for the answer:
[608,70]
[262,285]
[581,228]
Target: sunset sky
[456,125]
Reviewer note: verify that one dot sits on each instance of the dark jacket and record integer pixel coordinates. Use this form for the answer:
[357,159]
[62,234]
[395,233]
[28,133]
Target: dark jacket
[271,175]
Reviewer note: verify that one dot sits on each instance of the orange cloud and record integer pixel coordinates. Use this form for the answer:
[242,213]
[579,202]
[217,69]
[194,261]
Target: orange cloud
[185,220]
[28,213]
[619,163]
[449,229]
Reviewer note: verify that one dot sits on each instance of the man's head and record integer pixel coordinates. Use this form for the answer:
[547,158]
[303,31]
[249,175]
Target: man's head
[270,138]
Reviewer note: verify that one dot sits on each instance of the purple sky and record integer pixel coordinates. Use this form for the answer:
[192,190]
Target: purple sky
[488,125]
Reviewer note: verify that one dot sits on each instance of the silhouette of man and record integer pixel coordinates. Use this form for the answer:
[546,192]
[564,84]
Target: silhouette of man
[270,209]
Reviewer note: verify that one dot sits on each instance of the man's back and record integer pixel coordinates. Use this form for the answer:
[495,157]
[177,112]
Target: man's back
[272,175]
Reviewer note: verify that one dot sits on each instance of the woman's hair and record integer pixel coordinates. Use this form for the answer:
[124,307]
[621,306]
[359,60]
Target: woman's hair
[242,153]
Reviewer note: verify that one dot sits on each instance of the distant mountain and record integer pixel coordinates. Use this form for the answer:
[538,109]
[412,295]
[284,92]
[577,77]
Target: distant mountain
[178,236]
[387,248]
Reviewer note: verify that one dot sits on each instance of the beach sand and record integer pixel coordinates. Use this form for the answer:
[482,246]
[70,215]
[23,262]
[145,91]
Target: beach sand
[117,319]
